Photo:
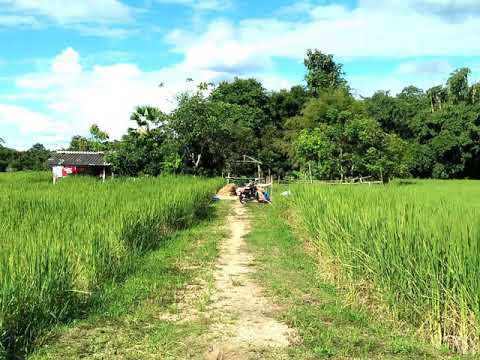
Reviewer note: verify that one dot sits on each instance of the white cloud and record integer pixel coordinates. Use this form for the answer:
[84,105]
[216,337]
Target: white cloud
[105,95]
[210,5]
[104,18]
[447,9]
[17,20]
[372,29]
[221,49]
[274,82]
[329,12]
[69,12]
[213,4]
[115,32]
[298,7]
[387,29]
[420,68]
[25,120]
[75,97]
[67,63]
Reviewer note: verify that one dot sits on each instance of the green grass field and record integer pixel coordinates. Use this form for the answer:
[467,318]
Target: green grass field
[61,245]
[416,244]
[329,324]
[133,319]
[358,271]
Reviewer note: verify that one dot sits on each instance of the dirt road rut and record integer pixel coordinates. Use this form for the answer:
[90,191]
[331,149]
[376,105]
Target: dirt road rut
[244,329]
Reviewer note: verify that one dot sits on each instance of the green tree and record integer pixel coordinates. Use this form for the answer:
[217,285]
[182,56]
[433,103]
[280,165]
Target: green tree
[316,150]
[420,159]
[35,158]
[243,92]
[323,73]
[7,156]
[79,143]
[456,142]
[139,153]
[339,139]
[395,114]
[437,97]
[248,93]
[385,109]
[321,127]
[275,142]
[475,93]
[390,159]
[148,117]
[211,134]
[330,113]
[97,141]
[457,85]
[149,148]
[332,107]
[285,104]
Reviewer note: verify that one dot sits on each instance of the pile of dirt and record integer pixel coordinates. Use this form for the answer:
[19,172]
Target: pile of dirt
[228,190]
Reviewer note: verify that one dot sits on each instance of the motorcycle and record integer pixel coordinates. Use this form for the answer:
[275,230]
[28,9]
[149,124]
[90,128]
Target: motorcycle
[248,193]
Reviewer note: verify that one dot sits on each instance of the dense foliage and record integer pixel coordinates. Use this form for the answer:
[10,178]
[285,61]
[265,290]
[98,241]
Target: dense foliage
[319,128]
[33,159]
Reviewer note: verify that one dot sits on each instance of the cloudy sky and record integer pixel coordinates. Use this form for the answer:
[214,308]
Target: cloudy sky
[66,64]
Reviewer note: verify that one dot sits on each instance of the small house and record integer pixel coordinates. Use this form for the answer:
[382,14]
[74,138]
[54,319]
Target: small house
[65,163]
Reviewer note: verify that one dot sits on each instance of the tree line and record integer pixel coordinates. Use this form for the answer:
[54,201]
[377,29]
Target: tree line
[319,127]
[34,158]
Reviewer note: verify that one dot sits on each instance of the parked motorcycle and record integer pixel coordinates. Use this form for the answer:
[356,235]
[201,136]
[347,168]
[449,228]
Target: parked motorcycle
[248,193]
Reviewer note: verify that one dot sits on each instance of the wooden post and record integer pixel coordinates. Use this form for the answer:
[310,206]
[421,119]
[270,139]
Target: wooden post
[310,171]
[103,174]
[271,191]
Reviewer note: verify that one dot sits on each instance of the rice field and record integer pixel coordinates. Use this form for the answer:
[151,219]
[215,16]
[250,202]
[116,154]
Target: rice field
[417,244]
[60,244]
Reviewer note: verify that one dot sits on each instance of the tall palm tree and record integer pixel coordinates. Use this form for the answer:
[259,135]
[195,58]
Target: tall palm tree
[145,116]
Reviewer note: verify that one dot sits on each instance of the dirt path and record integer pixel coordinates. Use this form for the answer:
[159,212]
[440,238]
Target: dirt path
[243,329]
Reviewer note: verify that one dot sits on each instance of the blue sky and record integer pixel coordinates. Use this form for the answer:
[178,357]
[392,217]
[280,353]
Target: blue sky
[67,64]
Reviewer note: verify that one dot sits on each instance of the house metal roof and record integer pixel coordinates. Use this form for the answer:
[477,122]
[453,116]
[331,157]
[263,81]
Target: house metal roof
[77,158]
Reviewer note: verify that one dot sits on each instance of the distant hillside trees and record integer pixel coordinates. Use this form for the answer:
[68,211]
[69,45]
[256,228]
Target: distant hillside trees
[34,158]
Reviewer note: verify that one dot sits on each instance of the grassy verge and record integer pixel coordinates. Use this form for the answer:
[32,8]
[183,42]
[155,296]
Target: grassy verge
[135,320]
[329,326]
